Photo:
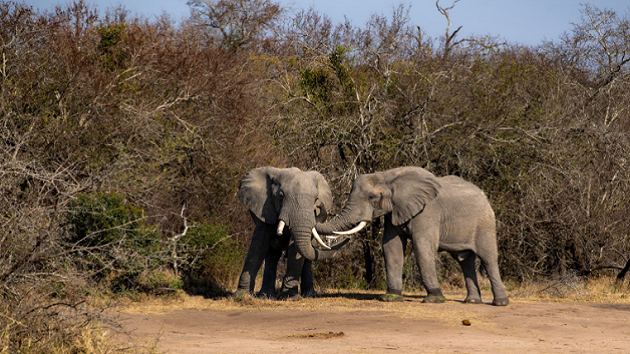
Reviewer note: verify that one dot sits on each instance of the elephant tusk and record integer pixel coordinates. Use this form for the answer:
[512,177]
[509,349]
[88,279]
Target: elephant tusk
[356,229]
[328,237]
[319,239]
[280,228]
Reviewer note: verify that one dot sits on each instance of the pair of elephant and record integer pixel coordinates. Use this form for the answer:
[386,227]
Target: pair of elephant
[289,208]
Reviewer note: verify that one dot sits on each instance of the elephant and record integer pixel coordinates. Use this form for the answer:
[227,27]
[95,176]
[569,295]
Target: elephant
[285,205]
[437,214]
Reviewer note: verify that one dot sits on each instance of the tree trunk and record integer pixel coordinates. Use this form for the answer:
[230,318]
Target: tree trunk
[623,272]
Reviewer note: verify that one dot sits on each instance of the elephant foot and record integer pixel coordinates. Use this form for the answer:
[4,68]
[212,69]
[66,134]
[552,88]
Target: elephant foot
[434,299]
[289,295]
[242,294]
[501,302]
[310,293]
[265,295]
[391,298]
[434,296]
[472,300]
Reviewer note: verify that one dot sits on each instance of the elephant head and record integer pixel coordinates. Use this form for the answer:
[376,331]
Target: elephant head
[293,199]
[402,192]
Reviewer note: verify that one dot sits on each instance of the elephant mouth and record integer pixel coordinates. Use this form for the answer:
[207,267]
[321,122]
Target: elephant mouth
[319,240]
[353,230]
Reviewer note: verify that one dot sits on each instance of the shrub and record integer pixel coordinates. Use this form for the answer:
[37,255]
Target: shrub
[220,258]
[114,239]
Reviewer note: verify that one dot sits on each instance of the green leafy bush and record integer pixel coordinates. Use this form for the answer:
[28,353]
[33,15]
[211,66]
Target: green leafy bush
[115,239]
[101,218]
[221,257]
[112,55]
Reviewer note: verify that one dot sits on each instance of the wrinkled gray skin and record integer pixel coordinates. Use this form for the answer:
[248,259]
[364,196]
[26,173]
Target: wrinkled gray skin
[298,198]
[437,214]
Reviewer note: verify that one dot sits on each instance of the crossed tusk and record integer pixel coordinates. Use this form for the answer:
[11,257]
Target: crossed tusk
[319,239]
[280,228]
[356,229]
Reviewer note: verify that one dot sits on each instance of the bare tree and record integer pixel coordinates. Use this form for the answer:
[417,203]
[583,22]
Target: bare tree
[240,22]
[449,38]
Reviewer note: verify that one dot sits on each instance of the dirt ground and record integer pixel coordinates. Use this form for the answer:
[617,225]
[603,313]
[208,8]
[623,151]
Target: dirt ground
[358,323]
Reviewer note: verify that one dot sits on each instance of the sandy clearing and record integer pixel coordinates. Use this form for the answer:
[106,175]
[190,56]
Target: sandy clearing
[360,324]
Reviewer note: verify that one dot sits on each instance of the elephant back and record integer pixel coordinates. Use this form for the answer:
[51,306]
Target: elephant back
[459,193]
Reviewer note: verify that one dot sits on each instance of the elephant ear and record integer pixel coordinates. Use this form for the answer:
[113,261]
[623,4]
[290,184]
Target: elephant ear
[255,191]
[324,195]
[411,191]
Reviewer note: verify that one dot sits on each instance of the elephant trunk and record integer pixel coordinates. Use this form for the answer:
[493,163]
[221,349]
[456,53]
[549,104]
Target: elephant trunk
[302,224]
[302,239]
[349,218]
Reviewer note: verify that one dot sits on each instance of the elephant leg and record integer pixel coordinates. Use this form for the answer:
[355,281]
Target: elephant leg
[268,289]
[255,257]
[291,281]
[425,245]
[490,261]
[307,288]
[394,252]
[466,261]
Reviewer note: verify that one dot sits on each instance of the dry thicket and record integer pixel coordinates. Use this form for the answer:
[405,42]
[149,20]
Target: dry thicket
[123,139]
[544,130]
[121,144]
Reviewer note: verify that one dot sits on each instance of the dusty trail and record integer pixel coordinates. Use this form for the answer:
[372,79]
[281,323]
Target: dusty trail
[345,324]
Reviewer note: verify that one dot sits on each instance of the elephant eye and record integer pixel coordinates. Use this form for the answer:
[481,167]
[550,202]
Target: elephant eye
[280,194]
[375,200]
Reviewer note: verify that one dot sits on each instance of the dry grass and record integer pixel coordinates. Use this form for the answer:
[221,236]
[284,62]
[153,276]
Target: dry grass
[89,341]
[602,290]
[329,301]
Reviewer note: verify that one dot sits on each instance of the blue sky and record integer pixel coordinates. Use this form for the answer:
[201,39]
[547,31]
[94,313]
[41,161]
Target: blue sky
[528,22]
